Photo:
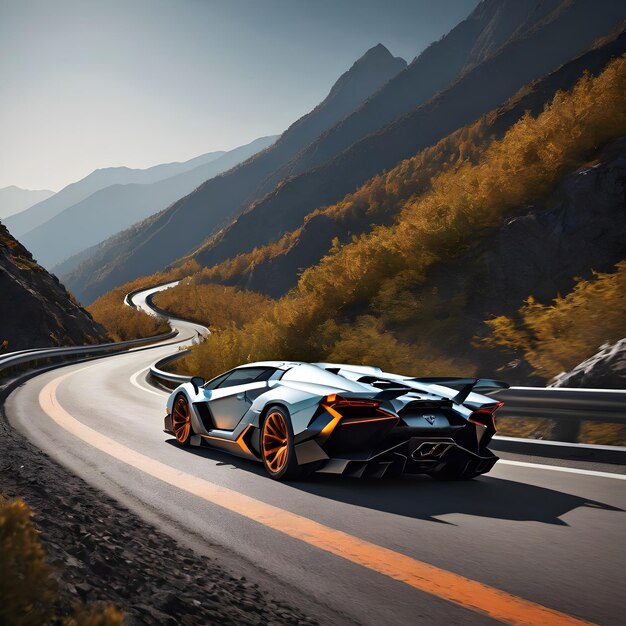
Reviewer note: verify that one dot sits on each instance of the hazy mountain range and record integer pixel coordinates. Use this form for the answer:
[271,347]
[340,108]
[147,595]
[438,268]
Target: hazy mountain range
[99,179]
[501,47]
[217,201]
[15,199]
[118,206]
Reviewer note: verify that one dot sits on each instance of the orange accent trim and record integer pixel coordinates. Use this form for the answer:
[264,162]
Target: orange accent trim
[337,417]
[242,444]
[333,423]
[239,442]
[465,592]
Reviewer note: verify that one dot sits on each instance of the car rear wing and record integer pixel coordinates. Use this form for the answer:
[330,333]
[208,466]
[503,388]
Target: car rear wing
[467,385]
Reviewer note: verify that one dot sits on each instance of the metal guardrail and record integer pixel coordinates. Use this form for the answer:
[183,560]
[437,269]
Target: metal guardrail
[12,359]
[560,450]
[128,298]
[568,408]
[163,313]
[167,377]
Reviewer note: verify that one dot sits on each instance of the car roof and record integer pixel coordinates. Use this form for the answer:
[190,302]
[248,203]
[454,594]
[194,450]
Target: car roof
[277,364]
[366,369]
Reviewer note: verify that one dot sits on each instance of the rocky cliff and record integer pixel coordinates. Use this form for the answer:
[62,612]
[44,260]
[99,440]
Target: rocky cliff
[606,369]
[36,311]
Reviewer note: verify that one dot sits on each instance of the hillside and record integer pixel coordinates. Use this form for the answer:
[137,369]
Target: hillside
[117,207]
[99,179]
[150,246]
[36,311]
[15,199]
[565,32]
[552,337]
[273,268]
[484,87]
[522,218]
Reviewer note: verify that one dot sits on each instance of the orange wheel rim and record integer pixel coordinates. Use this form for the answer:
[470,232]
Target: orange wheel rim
[275,442]
[181,420]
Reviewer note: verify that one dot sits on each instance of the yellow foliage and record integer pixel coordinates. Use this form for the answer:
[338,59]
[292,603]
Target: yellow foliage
[27,587]
[95,615]
[213,305]
[366,341]
[556,337]
[123,322]
[376,201]
[465,199]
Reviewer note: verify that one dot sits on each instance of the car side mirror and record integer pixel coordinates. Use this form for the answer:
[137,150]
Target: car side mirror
[197,382]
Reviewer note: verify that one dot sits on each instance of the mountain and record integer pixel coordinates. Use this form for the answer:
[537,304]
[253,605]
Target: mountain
[217,201]
[36,311]
[564,34]
[493,250]
[15,199]
[553,34]
[273,269]
[483,32]
[116,207]
[99,179]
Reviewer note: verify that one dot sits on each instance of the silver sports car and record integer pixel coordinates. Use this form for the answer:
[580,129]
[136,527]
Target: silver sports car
[298,418]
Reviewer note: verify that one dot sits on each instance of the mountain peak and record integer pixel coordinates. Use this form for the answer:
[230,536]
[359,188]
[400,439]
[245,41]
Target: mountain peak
[374,64]
[376,55]
[16,188]
[379,50]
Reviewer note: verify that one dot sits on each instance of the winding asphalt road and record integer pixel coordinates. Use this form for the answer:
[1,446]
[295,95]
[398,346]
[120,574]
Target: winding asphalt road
[526,544]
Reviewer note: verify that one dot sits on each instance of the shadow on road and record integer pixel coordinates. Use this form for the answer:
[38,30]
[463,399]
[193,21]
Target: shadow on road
[421,497]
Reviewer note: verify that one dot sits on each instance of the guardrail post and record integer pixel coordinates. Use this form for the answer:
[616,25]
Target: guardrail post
[566,430]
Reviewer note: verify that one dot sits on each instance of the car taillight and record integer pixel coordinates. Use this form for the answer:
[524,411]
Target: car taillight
[335,401]
[485,416]
[354,410]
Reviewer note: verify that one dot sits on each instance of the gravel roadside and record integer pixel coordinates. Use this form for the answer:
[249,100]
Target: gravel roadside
[103,552]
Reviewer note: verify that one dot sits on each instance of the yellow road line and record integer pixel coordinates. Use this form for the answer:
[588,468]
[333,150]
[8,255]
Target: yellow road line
[465,592]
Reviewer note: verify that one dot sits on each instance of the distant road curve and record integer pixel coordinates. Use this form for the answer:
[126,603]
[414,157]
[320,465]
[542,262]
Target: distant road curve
[526,544]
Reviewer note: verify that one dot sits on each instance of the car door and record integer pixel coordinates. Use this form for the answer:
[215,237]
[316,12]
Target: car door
[232,397]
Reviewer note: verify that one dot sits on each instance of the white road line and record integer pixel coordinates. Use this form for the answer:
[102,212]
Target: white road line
[133,381]
[577,389]
[557,468]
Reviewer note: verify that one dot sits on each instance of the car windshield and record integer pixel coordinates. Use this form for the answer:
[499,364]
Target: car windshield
[246,375]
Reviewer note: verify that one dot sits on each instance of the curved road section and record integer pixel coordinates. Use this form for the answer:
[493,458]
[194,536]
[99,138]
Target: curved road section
[526,544]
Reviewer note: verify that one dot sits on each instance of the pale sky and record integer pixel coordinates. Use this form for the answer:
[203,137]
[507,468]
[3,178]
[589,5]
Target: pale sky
[88,84]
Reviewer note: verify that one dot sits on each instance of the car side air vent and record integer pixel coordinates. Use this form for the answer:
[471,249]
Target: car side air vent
[381,384]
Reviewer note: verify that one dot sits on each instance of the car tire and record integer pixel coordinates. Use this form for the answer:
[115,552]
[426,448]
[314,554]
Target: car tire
[181,420]
[277,446]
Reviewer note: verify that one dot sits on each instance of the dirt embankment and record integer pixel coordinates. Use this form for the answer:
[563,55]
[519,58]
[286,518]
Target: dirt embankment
[103,552]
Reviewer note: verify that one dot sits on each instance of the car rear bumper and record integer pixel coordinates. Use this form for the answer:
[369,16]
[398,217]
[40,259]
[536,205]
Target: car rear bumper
[418,455]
